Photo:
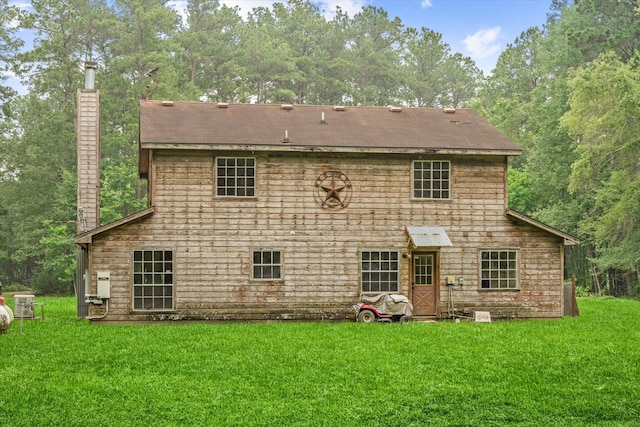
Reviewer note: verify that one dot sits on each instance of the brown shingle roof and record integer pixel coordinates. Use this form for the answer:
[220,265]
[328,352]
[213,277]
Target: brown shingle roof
[265,126]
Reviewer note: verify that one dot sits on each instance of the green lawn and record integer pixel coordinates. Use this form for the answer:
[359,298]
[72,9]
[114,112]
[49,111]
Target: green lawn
[582,371]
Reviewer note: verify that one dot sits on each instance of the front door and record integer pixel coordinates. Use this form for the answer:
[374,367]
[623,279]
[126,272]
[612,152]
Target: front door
[424,284]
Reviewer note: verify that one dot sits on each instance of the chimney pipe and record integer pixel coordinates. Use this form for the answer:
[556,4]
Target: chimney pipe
[89,74]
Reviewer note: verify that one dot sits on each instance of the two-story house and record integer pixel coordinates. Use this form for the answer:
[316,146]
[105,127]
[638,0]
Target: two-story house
[294,212]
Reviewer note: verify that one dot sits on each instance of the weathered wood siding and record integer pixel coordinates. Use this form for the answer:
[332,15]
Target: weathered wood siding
[88,155]
[213,238]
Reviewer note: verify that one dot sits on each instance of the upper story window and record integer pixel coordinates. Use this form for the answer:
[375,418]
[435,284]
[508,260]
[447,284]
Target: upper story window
[235,177]
[431,179]
[498,269]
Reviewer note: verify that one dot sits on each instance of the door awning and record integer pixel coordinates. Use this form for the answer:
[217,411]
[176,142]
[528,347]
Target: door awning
[427,237]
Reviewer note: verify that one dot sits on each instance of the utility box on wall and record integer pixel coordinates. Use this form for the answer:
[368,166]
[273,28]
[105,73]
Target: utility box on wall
[104,284]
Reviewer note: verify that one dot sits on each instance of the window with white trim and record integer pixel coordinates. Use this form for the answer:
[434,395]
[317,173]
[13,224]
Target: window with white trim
[431,179]
[498,269]
[267,265]
[235,177]
[379,271]
[152,280]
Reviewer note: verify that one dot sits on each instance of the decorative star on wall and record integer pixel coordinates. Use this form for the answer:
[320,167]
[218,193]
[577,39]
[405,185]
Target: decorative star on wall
[332,190]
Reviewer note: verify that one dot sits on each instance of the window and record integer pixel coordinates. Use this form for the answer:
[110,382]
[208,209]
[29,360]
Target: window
[499,269]
[235,177]
[267,265]
[153,280]
[379,271]
[431,179]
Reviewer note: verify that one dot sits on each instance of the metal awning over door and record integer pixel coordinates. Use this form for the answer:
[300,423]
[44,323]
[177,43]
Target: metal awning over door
[427,237]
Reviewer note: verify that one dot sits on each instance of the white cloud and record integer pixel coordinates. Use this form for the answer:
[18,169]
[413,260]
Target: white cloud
[351,7]
[180,6]
[426,3]
[247,6]
[483,43]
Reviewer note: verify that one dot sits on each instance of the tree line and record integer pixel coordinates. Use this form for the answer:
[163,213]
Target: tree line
[564,92]
[569,94]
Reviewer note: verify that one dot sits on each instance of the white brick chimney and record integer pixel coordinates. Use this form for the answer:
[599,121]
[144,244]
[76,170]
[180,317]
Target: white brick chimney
[88,146]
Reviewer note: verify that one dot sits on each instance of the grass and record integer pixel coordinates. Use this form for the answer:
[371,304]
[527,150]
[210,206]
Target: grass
[582,371]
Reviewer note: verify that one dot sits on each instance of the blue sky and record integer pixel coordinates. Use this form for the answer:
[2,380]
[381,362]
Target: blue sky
[480,29]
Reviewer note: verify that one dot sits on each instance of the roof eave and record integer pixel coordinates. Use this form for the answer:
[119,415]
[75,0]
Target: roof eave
[87,237]
[569,240]
[326,149]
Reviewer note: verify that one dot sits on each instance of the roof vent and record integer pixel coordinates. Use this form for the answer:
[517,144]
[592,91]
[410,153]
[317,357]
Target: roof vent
[339,108]
[223,105]
[322,120]
[449,110]
[287,107]
[286,137]
[395,109]
[167,103]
